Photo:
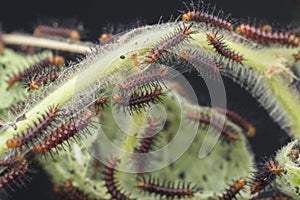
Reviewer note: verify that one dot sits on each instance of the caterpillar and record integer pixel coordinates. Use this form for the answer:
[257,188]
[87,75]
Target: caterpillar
[265,174]
[36,131]
[167,189]
[222,48]
[178,37]
[197,59]
[49,31]
[145,79]
[110,182]
[13,174]
[234,117]
[296,56]
[74,192]
[233,190]
[208,19]
[63,133]
[266,37]
[138,101]
[148,137]
[205,118]
[42,77]
[12,160]
[56,60]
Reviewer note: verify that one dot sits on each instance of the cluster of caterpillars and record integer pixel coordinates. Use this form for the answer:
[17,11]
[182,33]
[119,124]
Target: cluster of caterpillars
[135,94]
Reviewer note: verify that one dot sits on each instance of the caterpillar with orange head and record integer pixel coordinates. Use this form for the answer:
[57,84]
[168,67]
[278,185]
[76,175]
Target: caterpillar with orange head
[74,192]
[42,77]
[13,174]
[208,18]
[234,117]
[165,189]
[48,31]
[37,130]
[145,79]
[63,133]
[266,173]
[177,38]
[111,183]
[204,118]
[233,190]
[267,37]
[220,46]
[138,101]
[56,60]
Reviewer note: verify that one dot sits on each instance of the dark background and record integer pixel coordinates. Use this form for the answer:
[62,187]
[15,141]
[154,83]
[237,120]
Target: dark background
[97,14]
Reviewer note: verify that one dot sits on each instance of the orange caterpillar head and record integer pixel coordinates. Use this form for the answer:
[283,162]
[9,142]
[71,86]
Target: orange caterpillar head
[105,36]
[212,37]
[74,35]
[251,131]
[188,16]
[57,60]
[13,143]
[33,85]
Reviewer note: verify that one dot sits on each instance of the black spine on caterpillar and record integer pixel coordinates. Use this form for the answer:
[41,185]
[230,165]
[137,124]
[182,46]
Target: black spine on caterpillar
[220,46]
[138,101]
[165,188]
[74,192]
[111,182]
[233,190]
